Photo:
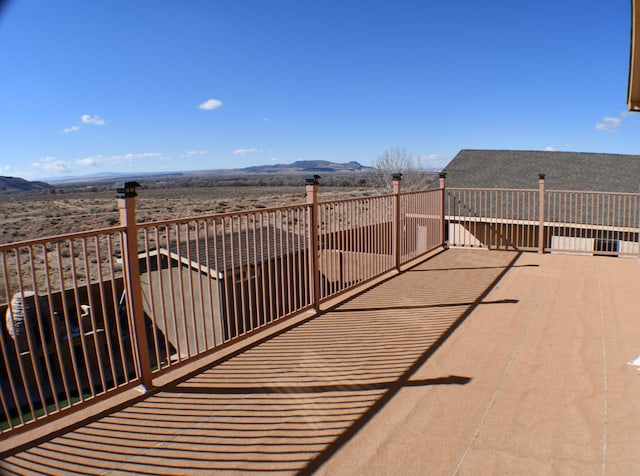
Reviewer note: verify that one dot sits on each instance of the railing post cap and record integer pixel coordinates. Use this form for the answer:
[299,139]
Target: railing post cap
[313,180]
[443,174]
[397,176]
[541,176]
[126,189]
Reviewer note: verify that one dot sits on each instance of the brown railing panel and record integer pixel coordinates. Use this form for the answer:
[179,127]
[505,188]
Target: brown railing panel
[591,223]
[66,334]
[210,280]
[355,242]
[571,221]
[492,218]
[420,222]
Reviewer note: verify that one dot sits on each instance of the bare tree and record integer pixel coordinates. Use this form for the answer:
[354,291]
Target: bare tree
[398,160]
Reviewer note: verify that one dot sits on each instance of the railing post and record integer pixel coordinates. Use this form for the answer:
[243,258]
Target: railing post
[443,223]
[541,225]
[126,194]
[314,274]
[396,223]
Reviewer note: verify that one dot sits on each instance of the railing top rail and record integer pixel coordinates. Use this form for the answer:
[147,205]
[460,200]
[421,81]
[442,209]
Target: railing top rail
[493,189]
[59,238]
[418,192]
[588,192]
[594,192]
[216,216]
[370,197]
[353,199]
[547,223]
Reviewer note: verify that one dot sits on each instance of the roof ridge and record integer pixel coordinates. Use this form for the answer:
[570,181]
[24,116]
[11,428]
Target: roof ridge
[548,152]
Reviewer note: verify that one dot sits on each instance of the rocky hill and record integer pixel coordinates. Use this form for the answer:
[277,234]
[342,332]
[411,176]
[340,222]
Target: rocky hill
[10,185]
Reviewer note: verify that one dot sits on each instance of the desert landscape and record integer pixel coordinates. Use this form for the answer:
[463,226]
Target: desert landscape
[88,204]
[83,205]
[34,216]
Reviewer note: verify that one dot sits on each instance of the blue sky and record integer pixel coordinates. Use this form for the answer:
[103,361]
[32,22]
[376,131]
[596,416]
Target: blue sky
[127,86]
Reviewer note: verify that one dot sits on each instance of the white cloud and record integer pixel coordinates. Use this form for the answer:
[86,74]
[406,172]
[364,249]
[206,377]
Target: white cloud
[193,153]
[6,168]
[131,157]
[97,160]
[93,120]
[610,124]
[550,148]
[85,119]
[51,164]
[93,161]
[210,104]
[243,152]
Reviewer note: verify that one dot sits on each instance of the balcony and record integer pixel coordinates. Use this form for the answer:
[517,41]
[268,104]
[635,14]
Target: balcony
[469,361]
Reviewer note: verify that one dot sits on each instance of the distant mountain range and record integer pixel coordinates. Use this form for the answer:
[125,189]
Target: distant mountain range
[299,167]
[11,185]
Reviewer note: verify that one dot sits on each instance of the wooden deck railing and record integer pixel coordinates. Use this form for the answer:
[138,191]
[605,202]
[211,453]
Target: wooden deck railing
[66,335]
[556,221]
[87,315]
[90,314]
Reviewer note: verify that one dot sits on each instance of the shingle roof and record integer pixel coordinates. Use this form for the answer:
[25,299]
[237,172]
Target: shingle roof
[249,247]
[563,170]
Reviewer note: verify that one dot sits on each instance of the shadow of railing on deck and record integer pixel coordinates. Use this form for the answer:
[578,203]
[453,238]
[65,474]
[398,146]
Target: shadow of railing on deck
[429,306]
[483,289]
[450,380]
[291,402]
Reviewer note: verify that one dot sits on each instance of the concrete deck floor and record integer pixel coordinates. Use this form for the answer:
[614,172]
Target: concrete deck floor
[473,362]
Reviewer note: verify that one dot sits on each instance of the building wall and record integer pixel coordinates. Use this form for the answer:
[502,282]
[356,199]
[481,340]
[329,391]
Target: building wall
[575,240]
[493,235]
[182,308]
